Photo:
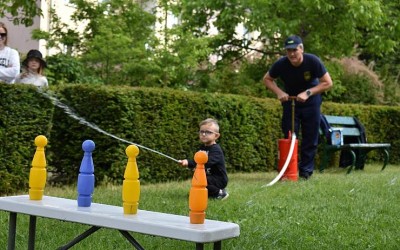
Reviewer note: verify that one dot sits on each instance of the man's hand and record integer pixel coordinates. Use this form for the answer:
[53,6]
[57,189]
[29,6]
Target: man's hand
[302,97]
[283,97]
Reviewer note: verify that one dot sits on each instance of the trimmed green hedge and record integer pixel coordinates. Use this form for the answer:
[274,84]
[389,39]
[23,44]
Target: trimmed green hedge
[24,114]
[160,119]
[165,121]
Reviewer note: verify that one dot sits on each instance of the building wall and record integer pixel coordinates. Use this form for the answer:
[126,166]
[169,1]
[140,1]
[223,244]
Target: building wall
[20,37]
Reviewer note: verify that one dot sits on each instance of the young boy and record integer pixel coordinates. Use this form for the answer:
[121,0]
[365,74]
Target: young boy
[217,178]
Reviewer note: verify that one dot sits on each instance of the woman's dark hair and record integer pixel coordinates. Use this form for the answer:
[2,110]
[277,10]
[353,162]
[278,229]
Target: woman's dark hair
[2,25]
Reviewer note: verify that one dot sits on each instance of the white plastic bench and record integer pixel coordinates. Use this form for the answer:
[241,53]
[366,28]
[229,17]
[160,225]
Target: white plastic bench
[107,216]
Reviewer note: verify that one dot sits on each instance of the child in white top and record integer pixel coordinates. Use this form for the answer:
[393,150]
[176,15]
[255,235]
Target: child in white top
[33,70]
[9,58]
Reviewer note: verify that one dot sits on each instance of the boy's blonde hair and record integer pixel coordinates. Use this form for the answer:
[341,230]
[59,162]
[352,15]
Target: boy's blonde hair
[210,121]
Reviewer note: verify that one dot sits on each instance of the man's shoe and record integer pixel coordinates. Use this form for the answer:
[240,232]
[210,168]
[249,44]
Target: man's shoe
[305,175]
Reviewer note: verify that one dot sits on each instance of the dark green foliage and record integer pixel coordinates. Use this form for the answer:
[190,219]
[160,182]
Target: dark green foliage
[358,89]
[63,69]
[24,114]
[167,121]
[243,80]
[22,12]
[163,120]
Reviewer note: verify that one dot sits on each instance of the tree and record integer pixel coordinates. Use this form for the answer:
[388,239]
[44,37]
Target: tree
[60,36]
[117,39]
[120,46]
[19,11]
[328,27]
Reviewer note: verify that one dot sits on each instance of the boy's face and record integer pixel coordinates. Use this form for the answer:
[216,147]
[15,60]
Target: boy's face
[208,134]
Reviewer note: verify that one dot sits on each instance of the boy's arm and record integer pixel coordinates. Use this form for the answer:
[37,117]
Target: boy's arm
[187,163]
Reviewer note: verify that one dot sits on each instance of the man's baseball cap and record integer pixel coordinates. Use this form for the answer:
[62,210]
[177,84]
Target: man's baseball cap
[292,42]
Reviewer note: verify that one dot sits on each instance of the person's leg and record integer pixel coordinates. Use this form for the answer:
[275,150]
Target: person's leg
[212,186]
[310,121]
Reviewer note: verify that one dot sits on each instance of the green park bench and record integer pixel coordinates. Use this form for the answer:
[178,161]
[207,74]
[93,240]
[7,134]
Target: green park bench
[353,142]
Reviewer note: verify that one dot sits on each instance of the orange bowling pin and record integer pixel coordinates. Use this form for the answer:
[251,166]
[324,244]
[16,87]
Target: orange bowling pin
[38,173]
[198,196]
[131,184]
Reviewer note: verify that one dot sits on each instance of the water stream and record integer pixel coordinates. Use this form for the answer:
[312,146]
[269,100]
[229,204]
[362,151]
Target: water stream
[81,120]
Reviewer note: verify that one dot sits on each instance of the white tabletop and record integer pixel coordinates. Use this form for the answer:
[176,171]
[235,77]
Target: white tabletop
[146,222]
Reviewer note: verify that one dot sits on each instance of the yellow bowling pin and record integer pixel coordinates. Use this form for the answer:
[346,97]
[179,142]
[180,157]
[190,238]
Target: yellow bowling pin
[38,174]
[198,196]
[131,183]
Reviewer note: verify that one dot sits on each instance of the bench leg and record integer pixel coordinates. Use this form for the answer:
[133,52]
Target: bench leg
[353,161]
[199,246]
[32,232]
[325,160]
[218,245]
[386,158]
[361,159]
[12,228]
[131,240]
[79,238]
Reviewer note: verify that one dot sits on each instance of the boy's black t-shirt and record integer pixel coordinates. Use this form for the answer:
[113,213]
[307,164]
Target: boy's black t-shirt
[215,165]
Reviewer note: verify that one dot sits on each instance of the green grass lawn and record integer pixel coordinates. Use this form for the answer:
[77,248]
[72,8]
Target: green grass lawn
[330,211]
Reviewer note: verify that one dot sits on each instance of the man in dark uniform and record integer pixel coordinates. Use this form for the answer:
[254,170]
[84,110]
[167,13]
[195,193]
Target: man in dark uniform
[305,77]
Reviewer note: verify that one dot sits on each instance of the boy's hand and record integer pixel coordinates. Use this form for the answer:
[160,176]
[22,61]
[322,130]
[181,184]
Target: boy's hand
[184,163]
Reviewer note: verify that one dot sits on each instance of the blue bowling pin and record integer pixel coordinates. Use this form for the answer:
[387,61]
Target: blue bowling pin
[86,176]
